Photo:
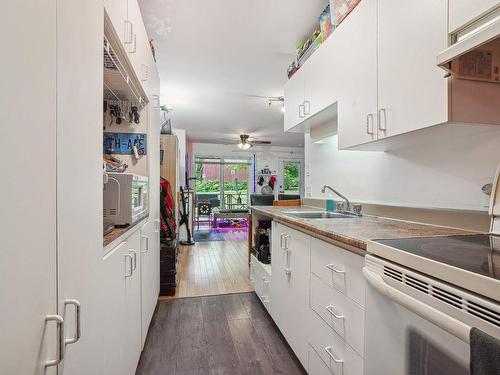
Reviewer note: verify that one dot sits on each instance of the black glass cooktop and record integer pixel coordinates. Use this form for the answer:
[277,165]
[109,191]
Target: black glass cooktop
[475,253]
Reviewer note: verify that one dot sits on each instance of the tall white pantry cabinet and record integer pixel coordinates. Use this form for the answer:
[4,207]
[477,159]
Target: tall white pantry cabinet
[53,265]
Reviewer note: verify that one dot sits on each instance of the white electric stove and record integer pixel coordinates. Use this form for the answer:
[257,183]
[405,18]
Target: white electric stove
[424,295]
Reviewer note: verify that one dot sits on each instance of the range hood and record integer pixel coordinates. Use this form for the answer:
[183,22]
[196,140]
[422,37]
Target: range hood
[475,53]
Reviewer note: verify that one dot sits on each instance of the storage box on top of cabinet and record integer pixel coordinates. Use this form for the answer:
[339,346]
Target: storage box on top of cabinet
[379,68]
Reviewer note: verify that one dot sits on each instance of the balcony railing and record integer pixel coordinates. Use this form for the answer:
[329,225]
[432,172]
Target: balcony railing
[232,200]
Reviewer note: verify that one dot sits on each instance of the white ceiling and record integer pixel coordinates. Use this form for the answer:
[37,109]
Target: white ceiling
[212,55]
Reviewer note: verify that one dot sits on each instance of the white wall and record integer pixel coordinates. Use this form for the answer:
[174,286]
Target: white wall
[441,174]
[181,136]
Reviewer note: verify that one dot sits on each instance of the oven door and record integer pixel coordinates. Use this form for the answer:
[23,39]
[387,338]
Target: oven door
[400,341]
[139,199]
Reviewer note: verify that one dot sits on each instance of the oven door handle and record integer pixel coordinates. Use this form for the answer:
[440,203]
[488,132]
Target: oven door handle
[440,319]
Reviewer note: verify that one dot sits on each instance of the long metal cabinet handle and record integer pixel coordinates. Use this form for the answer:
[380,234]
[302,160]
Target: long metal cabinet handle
[307,104]
[282,246]
[369,130]
[329,308]
[302,111]
[134,254]
[440,319]
[60,339]
[78,321]
[130,31]
[128,270]
[380,127]
[147,244]
[331,267]
[288,271]
[328,351]
[135,44]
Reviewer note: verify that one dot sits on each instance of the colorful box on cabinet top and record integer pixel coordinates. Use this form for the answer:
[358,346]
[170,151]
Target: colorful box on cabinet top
[341,8]
[123,143]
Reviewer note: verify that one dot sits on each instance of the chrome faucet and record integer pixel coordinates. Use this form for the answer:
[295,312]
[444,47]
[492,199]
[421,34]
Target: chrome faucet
[348,204]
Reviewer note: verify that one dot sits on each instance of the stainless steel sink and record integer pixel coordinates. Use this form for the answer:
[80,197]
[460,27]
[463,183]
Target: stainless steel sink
[318,214]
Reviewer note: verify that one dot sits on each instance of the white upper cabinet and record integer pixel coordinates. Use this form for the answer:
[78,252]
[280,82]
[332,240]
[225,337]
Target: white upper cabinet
[117,11]
[139,50]
[412,92]
[294,100]
[357,113]
[319,79]
[463,12]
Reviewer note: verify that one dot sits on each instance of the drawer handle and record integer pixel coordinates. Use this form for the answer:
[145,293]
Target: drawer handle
[329,308]
[265,280]
[331,267]
[328,351]
[286,237]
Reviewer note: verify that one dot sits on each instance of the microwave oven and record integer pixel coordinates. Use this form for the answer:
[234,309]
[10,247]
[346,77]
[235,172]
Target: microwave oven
[125,198]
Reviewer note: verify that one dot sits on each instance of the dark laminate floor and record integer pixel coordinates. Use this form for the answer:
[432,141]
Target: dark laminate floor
[226,334]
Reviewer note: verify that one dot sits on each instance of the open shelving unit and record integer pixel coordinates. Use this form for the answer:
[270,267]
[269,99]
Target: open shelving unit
[120,82]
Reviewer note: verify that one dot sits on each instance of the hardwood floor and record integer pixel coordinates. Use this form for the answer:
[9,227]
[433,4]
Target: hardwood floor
[227,334]
[212,268]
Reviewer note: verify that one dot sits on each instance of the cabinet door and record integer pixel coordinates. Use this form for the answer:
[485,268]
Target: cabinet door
[117,13]
[294,98]
[463,12]
[28,188]
[133,305]
[357,108]
[320,79]
[149,278]
[290,287]
[139,50]
[279,286]
[79,200]
[412,92]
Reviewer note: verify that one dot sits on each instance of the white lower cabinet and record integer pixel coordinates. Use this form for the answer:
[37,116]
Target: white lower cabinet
[339,356]
[317,294]
[339,268]
[316,366]
[339,312]
[290,286]
[150,268]
[122,309]
[260,276]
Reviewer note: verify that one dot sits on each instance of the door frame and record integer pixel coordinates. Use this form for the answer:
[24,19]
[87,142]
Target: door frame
[281,174]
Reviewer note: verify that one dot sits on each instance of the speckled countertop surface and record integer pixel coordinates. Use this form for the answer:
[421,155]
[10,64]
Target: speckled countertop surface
[355,231]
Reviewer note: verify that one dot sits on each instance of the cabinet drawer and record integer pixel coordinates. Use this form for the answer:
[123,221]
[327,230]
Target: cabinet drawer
[316,364]
[339,268]
[260,280]
[332,349]
[328,302]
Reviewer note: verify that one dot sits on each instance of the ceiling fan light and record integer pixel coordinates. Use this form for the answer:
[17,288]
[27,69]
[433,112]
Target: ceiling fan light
[246,146]
[241,146]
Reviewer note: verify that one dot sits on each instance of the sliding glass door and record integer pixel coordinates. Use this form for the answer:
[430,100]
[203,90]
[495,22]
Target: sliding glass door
[223,182]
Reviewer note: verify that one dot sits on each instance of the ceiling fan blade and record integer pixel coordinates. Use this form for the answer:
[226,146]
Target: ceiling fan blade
[260,142]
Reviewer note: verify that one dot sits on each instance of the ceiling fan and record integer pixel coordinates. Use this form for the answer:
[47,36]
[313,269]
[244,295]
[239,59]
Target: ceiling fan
[245,143]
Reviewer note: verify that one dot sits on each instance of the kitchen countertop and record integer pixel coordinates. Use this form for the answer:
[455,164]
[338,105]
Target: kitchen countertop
[355,231]
[118,232]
